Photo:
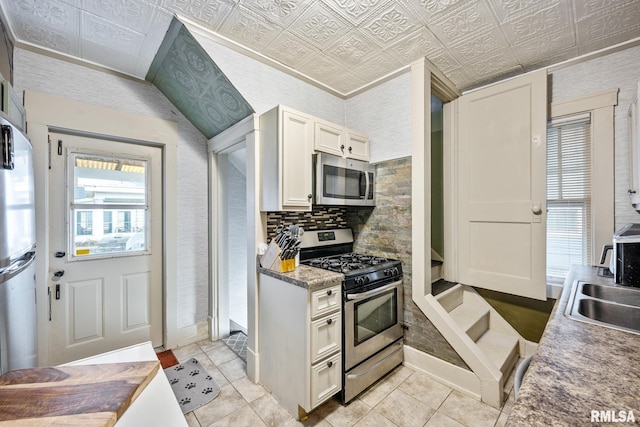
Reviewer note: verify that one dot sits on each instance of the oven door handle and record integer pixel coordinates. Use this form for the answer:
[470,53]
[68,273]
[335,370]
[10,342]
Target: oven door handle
[362,295]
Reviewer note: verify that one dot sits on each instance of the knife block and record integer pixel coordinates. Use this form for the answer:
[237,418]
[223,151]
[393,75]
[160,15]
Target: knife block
[271,260]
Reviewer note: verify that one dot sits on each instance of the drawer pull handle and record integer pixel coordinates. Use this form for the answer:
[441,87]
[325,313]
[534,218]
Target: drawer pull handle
[329,321]
[329,363]
[329,292]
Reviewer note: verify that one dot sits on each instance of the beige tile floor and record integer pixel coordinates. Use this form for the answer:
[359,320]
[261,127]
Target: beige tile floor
[403,398]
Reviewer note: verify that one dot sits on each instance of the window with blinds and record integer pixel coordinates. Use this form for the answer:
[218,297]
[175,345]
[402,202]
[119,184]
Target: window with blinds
[568,195]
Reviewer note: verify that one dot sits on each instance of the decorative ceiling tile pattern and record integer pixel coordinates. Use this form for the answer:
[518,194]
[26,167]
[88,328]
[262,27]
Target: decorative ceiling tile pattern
[345,45]
[187,76]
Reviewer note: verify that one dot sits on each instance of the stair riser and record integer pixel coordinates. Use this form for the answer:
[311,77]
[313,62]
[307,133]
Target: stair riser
[451,300]
[479,327]
[436,273]
[509,364]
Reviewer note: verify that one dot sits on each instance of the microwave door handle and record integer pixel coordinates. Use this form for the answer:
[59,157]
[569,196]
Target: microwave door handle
[366,187]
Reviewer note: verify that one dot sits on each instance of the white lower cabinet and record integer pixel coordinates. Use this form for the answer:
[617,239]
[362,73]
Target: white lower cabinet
[300,343]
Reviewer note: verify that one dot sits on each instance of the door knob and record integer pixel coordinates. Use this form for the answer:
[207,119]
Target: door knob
[58,274]
[536,208]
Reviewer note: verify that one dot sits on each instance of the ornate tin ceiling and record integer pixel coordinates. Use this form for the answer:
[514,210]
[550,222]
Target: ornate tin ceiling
[187,76]
[344,44]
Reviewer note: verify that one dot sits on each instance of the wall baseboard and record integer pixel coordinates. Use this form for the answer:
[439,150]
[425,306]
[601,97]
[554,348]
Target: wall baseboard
[453,376]
[193,333]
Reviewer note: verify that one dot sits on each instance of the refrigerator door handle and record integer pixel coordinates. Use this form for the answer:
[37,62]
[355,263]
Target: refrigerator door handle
[7,148]
[17,266]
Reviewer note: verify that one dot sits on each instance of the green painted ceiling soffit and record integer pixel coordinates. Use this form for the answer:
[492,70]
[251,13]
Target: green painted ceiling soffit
[189,78]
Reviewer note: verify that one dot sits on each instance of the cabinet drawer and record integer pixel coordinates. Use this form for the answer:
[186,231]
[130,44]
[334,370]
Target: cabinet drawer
[326,336]
[325,301]
[326,379]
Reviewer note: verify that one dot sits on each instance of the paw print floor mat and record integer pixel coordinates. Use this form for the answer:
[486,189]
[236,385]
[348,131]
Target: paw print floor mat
[192,385]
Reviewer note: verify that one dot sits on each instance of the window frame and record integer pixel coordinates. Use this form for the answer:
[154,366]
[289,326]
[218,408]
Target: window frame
[601,107]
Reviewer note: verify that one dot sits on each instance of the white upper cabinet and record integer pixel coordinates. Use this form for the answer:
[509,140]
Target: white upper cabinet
[329,138]
[357,146]
[287,138]
[334,139]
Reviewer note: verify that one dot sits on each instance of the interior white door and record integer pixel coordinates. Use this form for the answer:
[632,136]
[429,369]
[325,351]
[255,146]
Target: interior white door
[502,186]
[105,200]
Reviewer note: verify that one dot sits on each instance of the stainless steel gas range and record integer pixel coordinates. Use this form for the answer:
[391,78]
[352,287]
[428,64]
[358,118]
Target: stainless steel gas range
[372,298]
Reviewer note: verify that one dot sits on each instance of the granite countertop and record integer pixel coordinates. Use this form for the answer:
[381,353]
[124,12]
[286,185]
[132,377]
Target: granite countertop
[579,368]
[310,278]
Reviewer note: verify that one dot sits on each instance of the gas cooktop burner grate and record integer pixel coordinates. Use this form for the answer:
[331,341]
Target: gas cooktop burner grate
[349,263]
[346,262]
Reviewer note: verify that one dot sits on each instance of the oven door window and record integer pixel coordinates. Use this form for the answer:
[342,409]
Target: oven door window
[341,183]
[374,315]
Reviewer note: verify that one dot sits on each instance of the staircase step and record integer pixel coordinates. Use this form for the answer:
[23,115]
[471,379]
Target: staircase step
[473,319]
[501,349]
[451,298]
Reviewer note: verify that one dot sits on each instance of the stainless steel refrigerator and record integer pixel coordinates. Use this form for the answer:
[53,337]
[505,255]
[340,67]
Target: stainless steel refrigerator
[18,325]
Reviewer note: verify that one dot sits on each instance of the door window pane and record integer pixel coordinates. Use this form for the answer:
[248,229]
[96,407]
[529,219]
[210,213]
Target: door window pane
[109,205]
[84,223]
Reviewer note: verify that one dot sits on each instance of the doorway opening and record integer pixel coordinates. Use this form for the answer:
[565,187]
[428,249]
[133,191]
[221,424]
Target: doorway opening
[232,166]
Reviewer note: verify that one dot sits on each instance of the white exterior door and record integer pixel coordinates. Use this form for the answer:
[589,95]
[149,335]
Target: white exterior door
[502,187]
[105,201]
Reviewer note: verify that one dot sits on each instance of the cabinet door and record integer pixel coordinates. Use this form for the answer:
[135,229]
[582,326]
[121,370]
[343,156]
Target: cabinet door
[296,178]
[325,379]
[326,336]
[329,139]
[357,146]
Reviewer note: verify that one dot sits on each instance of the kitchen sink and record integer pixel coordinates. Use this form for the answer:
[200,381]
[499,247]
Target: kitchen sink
[610,306]
[628,296]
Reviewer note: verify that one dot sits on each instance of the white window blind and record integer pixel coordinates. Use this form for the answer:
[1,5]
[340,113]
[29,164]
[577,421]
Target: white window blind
[569,225]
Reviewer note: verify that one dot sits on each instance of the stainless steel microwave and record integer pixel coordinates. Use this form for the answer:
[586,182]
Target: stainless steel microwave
[340,181]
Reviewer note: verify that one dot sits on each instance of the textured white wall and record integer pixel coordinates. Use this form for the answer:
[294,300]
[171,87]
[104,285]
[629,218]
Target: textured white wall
[617,70]
[384,113]
[265,87]
[237,244]
[44,74]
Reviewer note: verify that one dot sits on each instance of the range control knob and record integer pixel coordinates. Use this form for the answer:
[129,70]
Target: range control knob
[362,280]
[395,271]
[387,272]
